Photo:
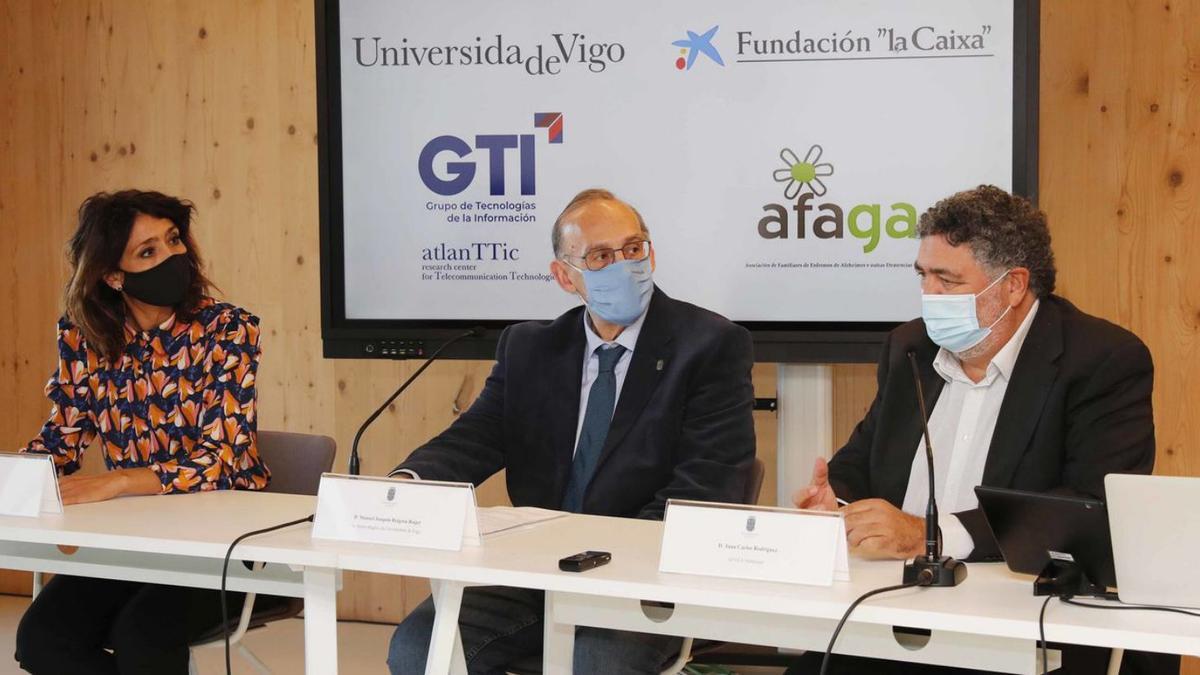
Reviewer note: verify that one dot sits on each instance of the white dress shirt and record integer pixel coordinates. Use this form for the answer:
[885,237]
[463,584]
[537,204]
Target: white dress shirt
[960,428]
[591,363]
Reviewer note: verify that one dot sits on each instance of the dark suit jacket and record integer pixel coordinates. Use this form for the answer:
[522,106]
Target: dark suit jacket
[1077,408]
[682,427]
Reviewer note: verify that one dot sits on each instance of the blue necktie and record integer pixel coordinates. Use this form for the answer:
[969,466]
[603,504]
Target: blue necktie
[602,398]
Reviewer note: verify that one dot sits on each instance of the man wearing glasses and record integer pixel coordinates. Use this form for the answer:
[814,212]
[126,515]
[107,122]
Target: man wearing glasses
[611,409]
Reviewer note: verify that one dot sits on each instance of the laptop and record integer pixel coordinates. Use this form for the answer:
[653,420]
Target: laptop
[1155,524]
[1064,540]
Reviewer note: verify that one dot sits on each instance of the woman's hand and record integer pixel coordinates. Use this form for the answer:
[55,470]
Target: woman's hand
[104,486]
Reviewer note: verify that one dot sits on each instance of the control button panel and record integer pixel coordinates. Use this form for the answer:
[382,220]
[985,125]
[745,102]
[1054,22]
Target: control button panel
[395,349]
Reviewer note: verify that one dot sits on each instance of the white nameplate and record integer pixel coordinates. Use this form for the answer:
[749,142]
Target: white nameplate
[751,542]
[417,513]
[28,484]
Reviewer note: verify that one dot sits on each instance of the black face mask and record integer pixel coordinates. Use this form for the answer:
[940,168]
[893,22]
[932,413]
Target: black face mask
[163,285]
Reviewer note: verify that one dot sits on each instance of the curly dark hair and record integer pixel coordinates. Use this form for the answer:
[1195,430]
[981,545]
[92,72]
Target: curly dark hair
[105,221]
[1003,231]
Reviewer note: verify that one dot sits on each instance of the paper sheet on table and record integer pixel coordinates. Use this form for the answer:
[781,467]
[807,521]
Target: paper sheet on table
[497,519]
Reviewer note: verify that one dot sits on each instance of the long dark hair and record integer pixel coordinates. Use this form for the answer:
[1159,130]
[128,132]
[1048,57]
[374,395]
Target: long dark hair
[96,248]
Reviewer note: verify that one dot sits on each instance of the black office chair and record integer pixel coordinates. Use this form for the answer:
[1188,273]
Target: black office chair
[754,485]
[532,665]
[296,462]
[732,653]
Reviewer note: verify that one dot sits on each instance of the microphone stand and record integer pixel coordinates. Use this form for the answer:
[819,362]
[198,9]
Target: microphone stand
[354,461]
[938,569]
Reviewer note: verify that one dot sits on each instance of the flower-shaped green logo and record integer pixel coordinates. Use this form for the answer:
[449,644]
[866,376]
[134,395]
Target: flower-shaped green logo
[800,174]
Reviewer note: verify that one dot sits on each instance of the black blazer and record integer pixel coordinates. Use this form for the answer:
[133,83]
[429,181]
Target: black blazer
[682,428]
[1077,408]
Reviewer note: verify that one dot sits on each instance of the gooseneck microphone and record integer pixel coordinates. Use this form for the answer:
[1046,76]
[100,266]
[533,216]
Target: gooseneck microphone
[941,570]
[354,463]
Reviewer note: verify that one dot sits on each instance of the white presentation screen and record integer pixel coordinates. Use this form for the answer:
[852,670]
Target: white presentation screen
[780,151]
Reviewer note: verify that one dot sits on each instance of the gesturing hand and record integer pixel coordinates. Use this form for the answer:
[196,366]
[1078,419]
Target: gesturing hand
[818,496]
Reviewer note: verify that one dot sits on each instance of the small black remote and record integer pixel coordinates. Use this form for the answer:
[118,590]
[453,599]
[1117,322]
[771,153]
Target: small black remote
[582,562]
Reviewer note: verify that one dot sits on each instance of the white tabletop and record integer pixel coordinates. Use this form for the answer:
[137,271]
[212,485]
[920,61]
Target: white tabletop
[992,600]
[200,525]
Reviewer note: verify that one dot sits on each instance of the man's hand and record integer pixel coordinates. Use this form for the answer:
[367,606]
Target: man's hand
[818,496]
[876,529]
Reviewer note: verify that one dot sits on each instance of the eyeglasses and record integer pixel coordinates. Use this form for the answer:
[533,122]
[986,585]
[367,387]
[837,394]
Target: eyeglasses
[599,258]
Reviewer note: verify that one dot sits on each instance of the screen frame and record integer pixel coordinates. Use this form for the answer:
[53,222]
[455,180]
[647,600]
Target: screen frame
[774,341]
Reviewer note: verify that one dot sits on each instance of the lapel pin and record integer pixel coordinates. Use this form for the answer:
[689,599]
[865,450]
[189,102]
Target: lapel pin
[659,365]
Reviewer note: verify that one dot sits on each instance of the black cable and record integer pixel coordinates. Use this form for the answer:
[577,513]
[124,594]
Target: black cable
[1069,601]
[1042,634]
[1149,608]
[926,579]
[225,573]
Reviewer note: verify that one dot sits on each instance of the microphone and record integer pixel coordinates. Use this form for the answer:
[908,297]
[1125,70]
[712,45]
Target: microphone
[933,568]
[354,463]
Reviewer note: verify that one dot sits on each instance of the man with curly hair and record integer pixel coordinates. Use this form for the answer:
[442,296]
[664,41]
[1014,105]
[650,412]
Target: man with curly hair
[1025,391]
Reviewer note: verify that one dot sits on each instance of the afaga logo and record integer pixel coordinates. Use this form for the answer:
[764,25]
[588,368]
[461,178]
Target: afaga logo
[694,45]
[462,173]
[802,182]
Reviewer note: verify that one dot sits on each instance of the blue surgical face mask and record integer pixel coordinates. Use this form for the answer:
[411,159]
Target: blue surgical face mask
[619,293]
[951,320]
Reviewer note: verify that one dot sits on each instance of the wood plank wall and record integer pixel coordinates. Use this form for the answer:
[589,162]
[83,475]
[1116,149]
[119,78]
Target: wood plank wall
[1120,182]
[215,101]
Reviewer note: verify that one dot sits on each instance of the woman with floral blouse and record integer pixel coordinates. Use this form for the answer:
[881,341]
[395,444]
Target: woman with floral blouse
[159,377]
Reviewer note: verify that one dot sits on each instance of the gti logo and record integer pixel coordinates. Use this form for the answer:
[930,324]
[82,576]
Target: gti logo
[462,173]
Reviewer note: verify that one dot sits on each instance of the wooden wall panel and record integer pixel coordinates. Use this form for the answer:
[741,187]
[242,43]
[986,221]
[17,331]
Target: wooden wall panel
[27,134]
[215,101]
[1120,183]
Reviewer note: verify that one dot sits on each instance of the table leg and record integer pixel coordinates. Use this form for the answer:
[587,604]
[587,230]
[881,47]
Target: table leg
[559,642]
[445,650]
[458,660]
[320,621]
[1114,661]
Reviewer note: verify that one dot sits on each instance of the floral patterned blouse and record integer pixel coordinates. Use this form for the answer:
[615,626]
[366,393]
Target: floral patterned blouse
[181,402]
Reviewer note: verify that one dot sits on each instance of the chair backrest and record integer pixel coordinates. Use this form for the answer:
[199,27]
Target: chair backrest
[296,461]
[754,485]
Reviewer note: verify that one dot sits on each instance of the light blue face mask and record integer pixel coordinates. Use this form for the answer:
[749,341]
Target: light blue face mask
[951,320]
[619,293]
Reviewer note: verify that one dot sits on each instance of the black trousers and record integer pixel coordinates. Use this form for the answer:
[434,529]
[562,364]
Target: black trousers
[1076,661]
[74,621]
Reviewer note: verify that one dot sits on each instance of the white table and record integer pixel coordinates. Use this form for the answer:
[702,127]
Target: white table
[990,621]
[181,540]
